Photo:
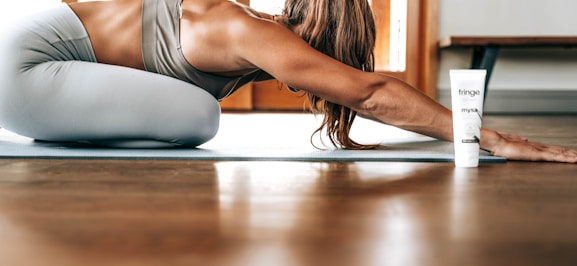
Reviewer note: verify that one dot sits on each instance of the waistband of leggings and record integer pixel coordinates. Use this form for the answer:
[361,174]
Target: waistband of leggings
[63,35]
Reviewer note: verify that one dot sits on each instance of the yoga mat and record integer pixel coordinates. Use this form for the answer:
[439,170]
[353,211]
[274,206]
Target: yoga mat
[242,140]
[434,151]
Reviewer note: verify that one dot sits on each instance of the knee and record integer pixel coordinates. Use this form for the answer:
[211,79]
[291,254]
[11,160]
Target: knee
[202,125]
[209,121]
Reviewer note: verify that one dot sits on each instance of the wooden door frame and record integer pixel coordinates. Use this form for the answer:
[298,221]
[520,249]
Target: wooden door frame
[428,48]
[422,48]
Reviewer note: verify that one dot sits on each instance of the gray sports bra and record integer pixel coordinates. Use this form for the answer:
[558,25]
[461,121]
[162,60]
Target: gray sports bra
[162,52]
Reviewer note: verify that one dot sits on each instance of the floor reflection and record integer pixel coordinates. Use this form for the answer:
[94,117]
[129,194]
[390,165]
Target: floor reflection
[463,206]
[226,213]
[345,213]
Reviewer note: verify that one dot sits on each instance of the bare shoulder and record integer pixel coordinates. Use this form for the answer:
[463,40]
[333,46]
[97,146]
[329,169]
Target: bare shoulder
[210,30]
[239,38]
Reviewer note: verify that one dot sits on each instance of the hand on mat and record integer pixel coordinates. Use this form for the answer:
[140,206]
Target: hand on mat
[515,147]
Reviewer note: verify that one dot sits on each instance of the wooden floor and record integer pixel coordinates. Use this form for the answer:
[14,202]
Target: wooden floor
[82,212]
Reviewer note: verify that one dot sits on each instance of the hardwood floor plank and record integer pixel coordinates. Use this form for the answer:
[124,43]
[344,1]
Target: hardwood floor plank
[94,212]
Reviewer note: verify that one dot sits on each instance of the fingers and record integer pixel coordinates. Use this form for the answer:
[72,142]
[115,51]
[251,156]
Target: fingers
[554,153]
[560,154]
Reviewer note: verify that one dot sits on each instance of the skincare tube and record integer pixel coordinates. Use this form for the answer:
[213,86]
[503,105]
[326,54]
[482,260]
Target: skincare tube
[467,93]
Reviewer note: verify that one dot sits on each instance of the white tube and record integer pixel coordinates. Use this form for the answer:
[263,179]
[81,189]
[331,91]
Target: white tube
[467,93]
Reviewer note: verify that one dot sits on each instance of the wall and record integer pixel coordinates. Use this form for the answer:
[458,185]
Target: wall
[524,80]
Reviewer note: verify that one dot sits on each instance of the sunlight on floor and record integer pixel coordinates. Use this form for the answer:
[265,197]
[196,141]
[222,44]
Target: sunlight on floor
[268,129]
[292,130]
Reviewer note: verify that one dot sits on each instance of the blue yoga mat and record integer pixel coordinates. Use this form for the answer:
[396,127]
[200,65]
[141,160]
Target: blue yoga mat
[421,151]
[240,139]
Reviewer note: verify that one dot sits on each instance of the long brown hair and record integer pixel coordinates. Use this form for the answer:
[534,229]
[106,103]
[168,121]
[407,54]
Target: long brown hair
[345,31]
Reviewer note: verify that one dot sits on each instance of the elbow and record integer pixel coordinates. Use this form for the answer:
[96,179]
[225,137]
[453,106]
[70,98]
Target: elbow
[371,99]
[368,106]
[383,101]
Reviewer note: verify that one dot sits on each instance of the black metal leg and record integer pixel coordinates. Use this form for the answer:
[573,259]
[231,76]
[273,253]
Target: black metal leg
[484,57]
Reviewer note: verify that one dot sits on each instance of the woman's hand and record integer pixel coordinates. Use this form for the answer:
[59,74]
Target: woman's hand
[517,148]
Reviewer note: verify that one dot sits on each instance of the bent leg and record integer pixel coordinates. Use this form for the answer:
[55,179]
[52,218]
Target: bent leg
[109,105]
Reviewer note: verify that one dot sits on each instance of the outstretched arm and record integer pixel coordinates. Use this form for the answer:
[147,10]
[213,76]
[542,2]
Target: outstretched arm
[412,110]
[288,58]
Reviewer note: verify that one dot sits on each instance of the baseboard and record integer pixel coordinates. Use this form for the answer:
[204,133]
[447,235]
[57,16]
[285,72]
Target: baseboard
[523,102]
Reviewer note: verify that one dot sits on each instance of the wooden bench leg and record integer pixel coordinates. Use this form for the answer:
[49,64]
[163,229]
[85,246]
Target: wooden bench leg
[484,57]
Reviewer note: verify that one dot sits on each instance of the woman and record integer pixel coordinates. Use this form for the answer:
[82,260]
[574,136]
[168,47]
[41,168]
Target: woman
[148,73]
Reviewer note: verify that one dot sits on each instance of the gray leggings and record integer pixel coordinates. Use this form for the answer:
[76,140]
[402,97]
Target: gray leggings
[52,89]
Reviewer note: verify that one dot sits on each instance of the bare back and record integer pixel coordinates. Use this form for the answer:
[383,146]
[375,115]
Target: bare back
[115,30]
[228,39]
